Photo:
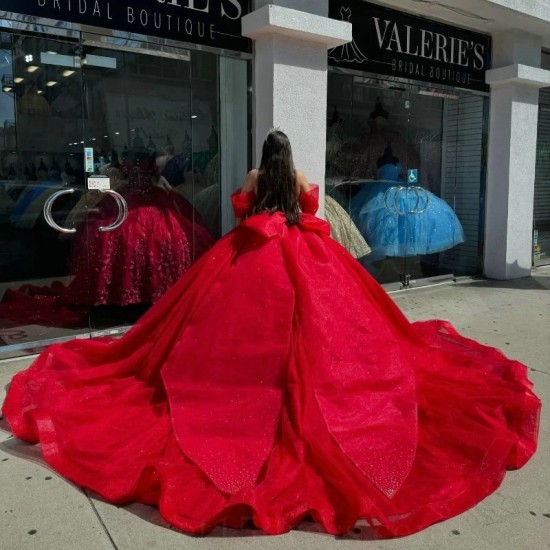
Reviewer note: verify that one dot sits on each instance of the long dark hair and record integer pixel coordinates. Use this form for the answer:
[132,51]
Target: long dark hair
[277,191]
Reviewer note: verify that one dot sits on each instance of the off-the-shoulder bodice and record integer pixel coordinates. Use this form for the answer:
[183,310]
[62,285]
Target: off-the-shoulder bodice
[243,203]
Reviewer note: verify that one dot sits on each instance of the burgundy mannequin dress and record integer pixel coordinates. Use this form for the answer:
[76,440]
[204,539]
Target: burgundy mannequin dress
[276,380]
[139,261]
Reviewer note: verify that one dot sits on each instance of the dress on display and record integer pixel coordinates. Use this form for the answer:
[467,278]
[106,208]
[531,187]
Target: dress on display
[343,230]
[137,262]
[133,264]
[276,380]
[403,220]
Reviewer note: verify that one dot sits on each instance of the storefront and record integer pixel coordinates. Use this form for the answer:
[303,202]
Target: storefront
[407,123]
[124,130]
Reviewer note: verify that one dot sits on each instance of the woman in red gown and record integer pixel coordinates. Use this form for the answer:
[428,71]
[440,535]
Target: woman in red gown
[277,380]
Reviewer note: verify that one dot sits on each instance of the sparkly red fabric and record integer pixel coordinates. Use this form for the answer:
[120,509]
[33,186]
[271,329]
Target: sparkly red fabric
[139,261]
[136,263]
[277,380]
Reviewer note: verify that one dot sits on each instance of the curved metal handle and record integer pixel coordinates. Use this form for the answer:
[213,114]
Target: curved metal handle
[48,211]
[427,197]
[122,210]
[386,196]
[406,189]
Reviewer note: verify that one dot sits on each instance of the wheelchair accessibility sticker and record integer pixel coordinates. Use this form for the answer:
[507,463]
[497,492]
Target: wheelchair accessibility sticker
[412,175]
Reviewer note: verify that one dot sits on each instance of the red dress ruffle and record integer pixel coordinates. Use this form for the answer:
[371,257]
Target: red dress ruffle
[277,380]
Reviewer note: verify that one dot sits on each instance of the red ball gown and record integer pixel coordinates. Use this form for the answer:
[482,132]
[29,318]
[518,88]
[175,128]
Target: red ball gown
[276,380]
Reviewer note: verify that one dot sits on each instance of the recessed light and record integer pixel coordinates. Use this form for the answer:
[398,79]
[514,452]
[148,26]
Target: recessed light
[51,83]
[117,133]
[39,91]
[18,79]
[7,89]
[28,58]
[193,116]
[32,68]
[105,137]
[67,72]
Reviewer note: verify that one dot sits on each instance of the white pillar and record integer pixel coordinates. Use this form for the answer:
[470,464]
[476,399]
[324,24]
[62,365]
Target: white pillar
[290,78]
[515,84]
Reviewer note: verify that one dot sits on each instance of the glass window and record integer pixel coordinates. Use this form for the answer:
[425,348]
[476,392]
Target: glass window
[116,169]
[404,177]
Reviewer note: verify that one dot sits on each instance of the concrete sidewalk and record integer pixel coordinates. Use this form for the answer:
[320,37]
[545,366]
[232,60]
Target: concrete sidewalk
[40,510]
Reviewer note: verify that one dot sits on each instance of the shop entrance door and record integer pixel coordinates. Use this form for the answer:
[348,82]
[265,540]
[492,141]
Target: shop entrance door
[41,169]
[406,164]
[113,178]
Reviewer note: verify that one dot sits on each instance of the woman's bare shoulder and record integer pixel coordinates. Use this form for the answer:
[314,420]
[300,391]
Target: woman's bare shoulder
[251,181]
[301,182]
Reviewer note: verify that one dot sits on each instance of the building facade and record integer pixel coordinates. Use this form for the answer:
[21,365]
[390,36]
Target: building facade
[425,126]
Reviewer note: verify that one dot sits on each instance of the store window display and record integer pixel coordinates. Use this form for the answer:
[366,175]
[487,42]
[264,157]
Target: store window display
[401,163]
[147,128]
[402,219]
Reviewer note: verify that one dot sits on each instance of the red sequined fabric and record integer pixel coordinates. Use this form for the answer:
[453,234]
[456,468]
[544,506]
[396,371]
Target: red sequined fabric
[277,380]
[139,261]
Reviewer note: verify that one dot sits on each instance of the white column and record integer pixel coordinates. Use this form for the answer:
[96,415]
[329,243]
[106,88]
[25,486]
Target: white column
[515,84]
[290,79]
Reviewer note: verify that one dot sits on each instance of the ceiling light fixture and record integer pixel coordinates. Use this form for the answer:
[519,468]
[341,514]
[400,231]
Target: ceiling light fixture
[32,68]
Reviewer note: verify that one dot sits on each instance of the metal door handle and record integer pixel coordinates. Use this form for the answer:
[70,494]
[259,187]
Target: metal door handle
[122,210]
[48,211]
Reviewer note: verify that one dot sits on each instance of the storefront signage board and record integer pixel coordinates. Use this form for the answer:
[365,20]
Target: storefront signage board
[390,42]
[214,23]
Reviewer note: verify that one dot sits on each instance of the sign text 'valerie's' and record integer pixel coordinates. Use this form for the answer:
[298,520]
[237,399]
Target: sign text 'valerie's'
[393,43]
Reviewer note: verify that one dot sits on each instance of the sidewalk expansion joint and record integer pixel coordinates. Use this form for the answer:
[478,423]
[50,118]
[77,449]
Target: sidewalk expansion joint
[100,519]
[540,371]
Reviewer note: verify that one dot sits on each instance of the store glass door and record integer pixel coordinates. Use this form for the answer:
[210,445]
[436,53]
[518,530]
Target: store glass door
[117,165]
[138,128]
[41,170]
[404,163]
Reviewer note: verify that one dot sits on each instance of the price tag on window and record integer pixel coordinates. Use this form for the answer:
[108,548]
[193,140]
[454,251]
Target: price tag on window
[99,183]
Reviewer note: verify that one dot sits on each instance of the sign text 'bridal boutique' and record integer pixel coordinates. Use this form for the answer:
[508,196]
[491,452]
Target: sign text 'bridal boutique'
[398,44]
[214,23]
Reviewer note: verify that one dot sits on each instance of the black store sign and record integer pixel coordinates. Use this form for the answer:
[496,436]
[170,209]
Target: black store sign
[210,22]
[393,43]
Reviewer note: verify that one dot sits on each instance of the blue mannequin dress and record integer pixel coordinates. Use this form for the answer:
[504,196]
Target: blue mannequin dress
[403,220]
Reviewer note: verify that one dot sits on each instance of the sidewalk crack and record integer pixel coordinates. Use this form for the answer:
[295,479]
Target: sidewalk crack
[100,519]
